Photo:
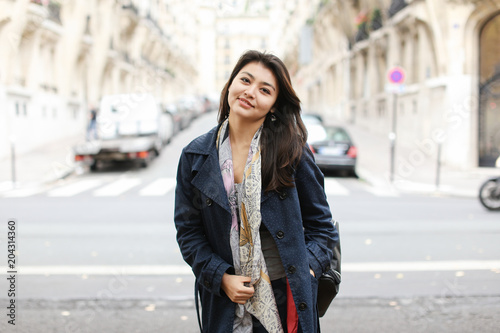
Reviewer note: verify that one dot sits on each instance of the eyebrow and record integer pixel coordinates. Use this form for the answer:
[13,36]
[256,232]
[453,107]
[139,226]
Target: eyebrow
[265,83]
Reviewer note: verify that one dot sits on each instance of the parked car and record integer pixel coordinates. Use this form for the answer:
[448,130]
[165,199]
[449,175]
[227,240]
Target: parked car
[332,147]
[190,107]
[177,117]
[311,118]
[167,122]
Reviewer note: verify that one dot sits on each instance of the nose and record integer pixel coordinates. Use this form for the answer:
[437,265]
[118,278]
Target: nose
[250,92]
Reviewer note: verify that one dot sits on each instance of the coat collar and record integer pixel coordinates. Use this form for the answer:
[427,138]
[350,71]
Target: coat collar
[208,178]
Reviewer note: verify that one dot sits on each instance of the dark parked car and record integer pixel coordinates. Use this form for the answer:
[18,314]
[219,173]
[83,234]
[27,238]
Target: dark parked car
[332,147]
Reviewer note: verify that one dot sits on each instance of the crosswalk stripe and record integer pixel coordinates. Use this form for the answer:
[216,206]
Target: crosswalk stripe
[117,187]
[107,187]
[75,188]
[333,187]
[159,187]
[22,193]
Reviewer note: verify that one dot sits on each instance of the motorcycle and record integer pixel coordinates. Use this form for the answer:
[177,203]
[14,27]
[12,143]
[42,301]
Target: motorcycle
[489,192]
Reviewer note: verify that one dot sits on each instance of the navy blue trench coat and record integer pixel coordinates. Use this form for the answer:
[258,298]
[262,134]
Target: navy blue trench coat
[299,219]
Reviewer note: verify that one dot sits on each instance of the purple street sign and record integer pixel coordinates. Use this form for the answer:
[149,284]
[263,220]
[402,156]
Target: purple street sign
[396,75]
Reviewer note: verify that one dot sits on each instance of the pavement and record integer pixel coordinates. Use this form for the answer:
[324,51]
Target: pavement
[415,169]
[46,164]
[416,315]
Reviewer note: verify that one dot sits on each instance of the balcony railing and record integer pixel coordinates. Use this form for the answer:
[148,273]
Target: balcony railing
[396,6]
[55,12]
[132,8]
[362,32]
[40,2]
[54,9]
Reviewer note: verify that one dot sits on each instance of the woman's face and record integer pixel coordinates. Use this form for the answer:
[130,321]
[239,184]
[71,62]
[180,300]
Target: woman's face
[252,93]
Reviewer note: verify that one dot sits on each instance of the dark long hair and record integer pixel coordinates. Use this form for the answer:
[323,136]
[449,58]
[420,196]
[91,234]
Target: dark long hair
[281,140]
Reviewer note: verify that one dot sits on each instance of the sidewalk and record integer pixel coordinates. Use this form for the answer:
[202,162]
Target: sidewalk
[346,315]
[415,170]
[40,166]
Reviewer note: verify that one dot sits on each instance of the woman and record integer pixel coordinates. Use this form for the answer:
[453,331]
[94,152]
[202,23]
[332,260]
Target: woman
[251,212]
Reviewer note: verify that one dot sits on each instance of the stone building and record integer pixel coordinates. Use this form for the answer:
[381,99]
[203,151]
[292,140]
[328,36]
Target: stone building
[241,26]
[59,57]
[449,51]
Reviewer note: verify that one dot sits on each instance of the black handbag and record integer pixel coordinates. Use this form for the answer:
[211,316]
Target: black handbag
[329,281]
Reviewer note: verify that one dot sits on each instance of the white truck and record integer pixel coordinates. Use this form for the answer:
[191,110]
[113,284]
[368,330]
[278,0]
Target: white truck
[129,127]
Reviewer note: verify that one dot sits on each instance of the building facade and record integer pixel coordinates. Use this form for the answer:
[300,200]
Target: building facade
[240,26]
[448,53]
[60,57]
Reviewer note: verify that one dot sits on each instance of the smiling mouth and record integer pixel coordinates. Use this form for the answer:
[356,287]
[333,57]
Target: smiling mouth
[245,102]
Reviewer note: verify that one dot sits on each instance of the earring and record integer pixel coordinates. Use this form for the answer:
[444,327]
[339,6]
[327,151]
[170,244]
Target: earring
[273,117]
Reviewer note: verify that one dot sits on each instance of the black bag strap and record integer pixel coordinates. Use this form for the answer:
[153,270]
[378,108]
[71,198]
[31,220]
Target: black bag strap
[196,291]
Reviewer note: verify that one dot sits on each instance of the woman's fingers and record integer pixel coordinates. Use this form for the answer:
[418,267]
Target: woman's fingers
[236,289]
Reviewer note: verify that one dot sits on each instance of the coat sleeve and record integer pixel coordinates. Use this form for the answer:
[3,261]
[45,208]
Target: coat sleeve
[319,231]
[207,266]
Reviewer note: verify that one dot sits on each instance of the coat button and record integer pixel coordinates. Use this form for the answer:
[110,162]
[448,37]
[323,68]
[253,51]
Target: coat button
[207,284]
[292,269]
[280,234]
[302,306]
[209,202]
[283,195]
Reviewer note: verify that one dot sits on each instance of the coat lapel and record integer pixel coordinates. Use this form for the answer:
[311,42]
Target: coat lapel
[208,178]
[209,181]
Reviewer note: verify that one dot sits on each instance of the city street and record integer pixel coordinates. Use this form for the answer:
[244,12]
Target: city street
[97,253]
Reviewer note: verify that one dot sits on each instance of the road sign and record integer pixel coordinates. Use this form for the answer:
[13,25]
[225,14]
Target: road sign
[395,88]
[396,75]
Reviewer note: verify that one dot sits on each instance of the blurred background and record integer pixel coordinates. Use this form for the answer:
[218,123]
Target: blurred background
[401,99]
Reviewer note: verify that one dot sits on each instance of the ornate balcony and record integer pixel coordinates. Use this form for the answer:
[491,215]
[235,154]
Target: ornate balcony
[39,10]
[396,6]
[36,14]
[55,11]
[362,33]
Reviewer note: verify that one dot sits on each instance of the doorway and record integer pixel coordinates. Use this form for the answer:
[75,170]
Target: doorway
[489,93]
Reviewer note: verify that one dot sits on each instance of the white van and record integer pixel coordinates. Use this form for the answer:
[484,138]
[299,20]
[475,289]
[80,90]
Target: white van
[129,127]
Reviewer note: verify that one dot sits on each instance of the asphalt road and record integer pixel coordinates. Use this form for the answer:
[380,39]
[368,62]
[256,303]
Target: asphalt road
[97,253]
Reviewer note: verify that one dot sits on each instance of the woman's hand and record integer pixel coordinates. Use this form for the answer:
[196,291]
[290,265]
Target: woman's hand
[235,289]
[312,272]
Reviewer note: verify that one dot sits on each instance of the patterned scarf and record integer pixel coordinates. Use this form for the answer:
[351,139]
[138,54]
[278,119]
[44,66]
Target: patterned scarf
[248,259]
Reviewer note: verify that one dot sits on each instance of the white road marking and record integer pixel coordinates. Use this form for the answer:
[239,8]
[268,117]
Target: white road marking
[159,187]
[22,193]
[117,187]
[105,270]
[360,267]
[75,188]
[422,266]
[333,187]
